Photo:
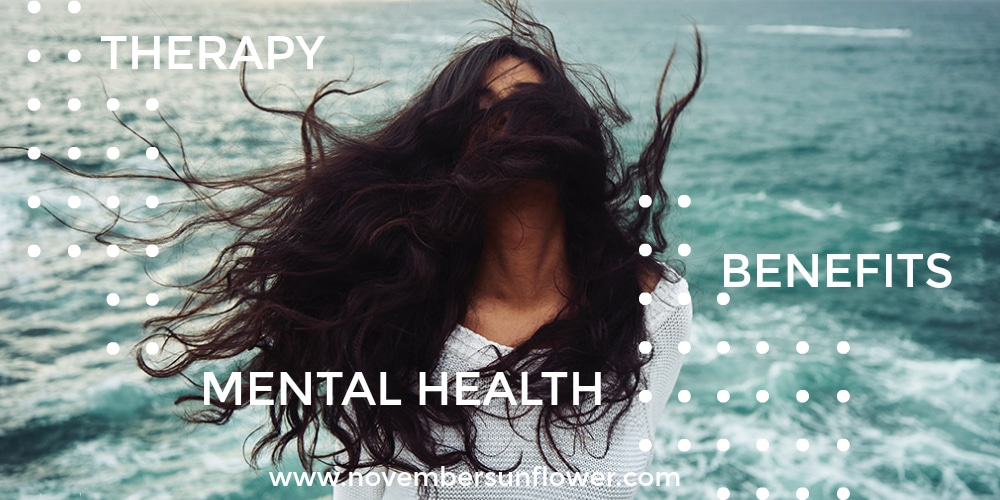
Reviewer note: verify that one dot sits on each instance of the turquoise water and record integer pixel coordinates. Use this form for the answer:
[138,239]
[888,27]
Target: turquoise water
[823,127]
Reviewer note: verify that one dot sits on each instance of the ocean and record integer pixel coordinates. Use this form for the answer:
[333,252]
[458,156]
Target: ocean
[823,127]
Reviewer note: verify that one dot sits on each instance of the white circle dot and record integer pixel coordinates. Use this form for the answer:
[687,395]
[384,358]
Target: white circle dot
[34,7]
[34,251]
[74,153]
[645,201]
[683,347]
[113,299]
[34,153]
[152,299]
[722,298]
[113,201]
[113,153]
[684,201]
[73,201]
[802,494]
[73,104]
[723,347]
[802,347]
[843,444]
[843,347]
[645,249]
[113,250]
[113,348]
[73,55]
[684,298]
[113,104]
[683,395]
[34,201]
[645,298]
[152,104]
[763,444]
[645,445]
[152,347]
[34,104]
[843,396]
[722,494]
[762,493]
[763,396]
[684,249]
[73,7]
[843,493]
[802,396]
[152,201]
[723,396]
[763,347]
[684,445]
[73,251]
[34,55]
[645,347]
[802,444]
[645,396]
[152,250]
[722,445]
[152,153]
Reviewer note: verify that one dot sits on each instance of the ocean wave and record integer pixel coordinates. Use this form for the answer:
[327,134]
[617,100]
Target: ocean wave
[887,227]
[805,29]
[801,208]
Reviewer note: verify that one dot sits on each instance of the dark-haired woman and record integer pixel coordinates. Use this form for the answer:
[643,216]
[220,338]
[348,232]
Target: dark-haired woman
[523,281]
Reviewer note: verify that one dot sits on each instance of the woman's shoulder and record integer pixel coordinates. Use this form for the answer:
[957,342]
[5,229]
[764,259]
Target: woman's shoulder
[669,297]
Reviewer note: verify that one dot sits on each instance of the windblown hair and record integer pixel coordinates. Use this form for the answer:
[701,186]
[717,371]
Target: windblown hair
[360,258]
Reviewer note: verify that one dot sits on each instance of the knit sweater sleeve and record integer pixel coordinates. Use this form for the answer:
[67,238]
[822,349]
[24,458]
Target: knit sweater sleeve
[668,322]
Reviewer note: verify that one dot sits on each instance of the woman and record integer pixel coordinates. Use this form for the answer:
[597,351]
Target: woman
[526,304]
[490,226]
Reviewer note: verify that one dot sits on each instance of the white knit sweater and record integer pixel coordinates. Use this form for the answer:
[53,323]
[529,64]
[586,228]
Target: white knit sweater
[502,440]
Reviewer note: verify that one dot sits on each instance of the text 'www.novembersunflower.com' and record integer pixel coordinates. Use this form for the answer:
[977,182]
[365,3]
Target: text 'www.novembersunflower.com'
[537,477]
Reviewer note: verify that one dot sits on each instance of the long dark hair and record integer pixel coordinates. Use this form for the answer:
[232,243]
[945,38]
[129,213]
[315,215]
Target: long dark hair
[360,258]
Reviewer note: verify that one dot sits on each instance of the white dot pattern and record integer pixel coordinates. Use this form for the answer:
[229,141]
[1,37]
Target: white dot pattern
[684,445]
[843,444]
[684,395]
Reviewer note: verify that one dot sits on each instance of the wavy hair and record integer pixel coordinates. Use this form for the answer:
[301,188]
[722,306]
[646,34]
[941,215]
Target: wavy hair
[360,257]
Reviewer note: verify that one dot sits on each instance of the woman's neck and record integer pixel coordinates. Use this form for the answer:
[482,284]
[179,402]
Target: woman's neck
[524,261]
